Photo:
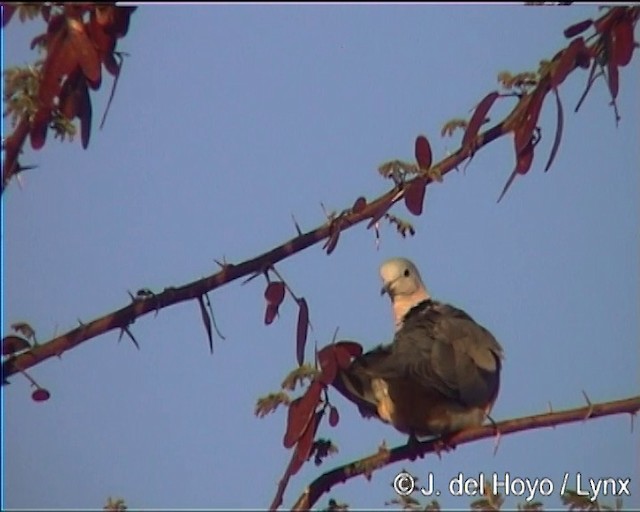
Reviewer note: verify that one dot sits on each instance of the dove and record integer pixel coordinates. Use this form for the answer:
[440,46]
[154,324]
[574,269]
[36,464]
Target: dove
[441,373]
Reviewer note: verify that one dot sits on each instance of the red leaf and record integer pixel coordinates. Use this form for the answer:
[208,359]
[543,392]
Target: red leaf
[525,158]
[559,127]
[305,444]
[270,313]
[566,61]
[604,24]
[423,152]
[328,364]
[523,164]
[613,79]
[332,243]
[622,42]
[275,293]
[334,416]
[121,19]
[349,349]
[577,28]
[414,195]
[104,42]
[12,344]
[359,205]
[529,120]
[61,60]
[40,395]
[301,410]
[478,117]
[302,329]
[39,127]
[7,13]
[84,113]
[85,51]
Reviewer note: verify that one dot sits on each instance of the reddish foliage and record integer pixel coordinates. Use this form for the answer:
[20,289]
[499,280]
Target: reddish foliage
[605,23]
[577,28]
[359,205]
[39,125]
[529,120]
[305,444]
[332,242]
[301,411]
[75,53]
[328,364]
[275,293]
[12,344]
[414,195]
[7,12]
[567,60]
[40,395]
[559,128]
[423,152]
[477,119]
[270,314]
[302,329]
[345,351]
[622,42]
[334,416]
[612,77]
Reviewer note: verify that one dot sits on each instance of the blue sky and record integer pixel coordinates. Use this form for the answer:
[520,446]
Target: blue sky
[226,121]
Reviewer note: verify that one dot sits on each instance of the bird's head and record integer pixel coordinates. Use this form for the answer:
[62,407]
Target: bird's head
[401,281]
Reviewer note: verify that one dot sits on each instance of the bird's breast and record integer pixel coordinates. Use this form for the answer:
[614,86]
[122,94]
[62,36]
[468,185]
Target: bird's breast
[411,408]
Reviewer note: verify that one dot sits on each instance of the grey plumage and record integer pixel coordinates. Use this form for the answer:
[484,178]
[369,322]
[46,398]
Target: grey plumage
[441,373]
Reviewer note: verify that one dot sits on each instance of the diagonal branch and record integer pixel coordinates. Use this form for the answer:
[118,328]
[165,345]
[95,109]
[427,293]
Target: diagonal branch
[141,306]
[366,465]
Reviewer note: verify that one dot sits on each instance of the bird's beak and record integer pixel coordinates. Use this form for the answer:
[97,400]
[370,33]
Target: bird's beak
[386,289]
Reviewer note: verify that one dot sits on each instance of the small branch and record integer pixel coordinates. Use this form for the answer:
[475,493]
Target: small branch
[342,474]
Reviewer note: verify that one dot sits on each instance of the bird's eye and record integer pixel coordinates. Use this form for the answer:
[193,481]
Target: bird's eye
[406,272]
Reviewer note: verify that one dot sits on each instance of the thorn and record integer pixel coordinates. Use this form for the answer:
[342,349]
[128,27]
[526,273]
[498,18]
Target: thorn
[413,445]
[590,410]
[251,277]
[335,335]
[551,412]
[498,434]
[633,417]
[120,335]
[213,318]
[126,329]
[295,223]
[133,299]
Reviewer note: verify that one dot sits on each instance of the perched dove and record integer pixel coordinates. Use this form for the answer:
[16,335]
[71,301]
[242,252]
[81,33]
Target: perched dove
[440,375]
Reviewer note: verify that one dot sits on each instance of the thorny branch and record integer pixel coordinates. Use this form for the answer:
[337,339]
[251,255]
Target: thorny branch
[230,272]
[366,465]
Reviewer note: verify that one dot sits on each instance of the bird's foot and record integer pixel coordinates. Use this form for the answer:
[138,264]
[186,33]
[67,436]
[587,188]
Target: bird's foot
[443,443]
[412,444]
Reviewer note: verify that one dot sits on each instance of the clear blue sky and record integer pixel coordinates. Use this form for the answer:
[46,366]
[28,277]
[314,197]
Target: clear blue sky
[227,120]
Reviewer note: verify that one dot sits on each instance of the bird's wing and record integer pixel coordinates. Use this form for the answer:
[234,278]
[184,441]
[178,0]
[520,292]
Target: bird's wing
[355,382]
[441,348]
